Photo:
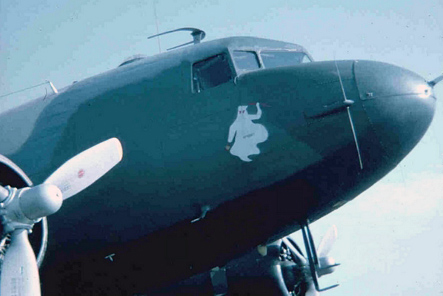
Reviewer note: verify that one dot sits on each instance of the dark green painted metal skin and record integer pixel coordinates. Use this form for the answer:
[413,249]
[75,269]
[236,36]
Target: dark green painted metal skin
[176,160]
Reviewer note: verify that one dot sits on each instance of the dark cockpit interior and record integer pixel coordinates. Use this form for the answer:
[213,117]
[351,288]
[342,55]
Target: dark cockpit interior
[217,69]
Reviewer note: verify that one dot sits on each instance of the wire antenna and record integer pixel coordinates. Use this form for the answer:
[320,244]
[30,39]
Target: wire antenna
[349,103]
[156,24]
[31,87]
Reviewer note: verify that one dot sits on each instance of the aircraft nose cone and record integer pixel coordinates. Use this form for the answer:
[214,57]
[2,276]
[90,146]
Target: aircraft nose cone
[399,103]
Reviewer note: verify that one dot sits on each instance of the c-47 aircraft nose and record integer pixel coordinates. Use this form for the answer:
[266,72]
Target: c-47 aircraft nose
[399,103]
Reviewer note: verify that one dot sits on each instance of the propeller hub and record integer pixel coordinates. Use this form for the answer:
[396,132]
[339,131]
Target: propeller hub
[40,201]
[327,266]
[24,207]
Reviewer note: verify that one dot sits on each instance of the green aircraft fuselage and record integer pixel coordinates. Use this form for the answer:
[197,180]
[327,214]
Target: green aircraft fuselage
[227,144]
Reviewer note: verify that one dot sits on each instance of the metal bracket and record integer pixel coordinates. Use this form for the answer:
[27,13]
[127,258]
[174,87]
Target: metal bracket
[314,265]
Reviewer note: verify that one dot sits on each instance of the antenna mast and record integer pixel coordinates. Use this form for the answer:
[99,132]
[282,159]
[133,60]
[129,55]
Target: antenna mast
[156,24]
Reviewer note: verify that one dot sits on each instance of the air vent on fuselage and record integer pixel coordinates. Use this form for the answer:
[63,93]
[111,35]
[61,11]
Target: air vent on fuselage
[133,59]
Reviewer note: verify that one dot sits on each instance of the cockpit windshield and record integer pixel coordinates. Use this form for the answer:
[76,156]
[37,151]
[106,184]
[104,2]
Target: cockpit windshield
[246,60]
[273,59]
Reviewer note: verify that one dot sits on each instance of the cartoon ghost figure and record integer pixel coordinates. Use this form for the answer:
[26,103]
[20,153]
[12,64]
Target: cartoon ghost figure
[247,134]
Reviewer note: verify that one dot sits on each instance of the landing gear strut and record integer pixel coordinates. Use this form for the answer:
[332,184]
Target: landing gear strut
[314,264]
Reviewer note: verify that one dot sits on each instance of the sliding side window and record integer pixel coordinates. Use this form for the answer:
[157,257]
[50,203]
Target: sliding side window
[211,72]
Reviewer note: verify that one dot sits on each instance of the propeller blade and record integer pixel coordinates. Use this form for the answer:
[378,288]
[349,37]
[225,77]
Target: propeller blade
[87,167]
[327,241]
[436,80]
[3,194]
[19,270]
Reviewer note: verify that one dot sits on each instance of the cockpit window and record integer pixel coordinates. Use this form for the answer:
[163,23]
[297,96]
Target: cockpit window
[246,60]
[273,59]
[211,72]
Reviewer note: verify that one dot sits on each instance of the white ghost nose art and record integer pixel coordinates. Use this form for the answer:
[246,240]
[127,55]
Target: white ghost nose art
[246,133]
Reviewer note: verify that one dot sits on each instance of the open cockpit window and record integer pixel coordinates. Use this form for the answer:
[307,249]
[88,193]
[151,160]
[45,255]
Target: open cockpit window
[211,72]
[246,60]
[273,59]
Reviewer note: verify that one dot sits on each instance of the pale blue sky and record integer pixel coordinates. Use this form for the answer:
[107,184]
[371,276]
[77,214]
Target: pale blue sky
[390,237]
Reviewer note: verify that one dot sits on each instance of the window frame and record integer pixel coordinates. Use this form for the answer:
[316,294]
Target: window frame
[232,68]
[282,50]
[257,56]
